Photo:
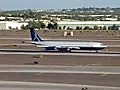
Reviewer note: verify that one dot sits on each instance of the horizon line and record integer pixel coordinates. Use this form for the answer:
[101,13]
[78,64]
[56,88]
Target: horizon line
[52,8]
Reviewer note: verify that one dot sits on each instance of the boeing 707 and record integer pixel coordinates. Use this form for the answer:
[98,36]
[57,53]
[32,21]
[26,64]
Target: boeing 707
[64,46]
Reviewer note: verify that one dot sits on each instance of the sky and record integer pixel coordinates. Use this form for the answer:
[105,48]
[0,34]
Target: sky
[55,4]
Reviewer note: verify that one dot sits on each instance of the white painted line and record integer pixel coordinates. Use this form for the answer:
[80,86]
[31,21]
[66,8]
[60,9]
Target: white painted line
[60,69]
[62,54]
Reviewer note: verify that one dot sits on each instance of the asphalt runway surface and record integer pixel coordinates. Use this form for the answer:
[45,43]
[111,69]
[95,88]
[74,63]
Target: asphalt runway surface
[60,69]
[5,85]
[105,76]
[108,79]
[11,58]
[78,79]
[100,77]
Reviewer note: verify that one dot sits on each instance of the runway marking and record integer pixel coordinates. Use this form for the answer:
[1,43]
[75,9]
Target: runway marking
[45,71]
[60,69]
[62,54]
[103,75]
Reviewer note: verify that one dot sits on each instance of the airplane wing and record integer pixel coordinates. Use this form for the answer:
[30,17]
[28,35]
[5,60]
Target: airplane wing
[58,47]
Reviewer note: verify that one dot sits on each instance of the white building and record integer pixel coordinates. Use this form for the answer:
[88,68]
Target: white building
[2,18]
[6,25]
[83,24]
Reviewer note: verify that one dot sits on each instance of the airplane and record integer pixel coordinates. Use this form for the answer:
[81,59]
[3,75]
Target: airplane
[64,46]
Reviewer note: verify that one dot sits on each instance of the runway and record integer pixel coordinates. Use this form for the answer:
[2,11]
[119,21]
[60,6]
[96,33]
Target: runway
[11,85]
[111,80]
[62,54]
[60,69]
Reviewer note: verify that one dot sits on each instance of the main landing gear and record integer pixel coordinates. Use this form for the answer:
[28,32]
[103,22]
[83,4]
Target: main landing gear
[63,50]
[97,51]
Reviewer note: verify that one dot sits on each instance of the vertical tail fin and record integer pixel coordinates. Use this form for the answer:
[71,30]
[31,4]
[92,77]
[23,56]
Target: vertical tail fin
[35,37]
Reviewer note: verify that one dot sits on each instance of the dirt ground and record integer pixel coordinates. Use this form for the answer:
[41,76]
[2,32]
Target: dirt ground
[60,33]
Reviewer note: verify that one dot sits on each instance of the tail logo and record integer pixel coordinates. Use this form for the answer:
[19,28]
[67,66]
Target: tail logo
[34,35]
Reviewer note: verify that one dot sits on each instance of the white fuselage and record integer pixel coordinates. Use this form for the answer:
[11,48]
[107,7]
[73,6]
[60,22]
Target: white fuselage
[71,45]
[64,46]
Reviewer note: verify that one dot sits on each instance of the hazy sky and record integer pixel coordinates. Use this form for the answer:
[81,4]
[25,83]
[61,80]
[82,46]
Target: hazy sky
[56,4]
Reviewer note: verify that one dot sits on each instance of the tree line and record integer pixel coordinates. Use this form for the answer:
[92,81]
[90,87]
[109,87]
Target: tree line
[40,25]
[113,27]
[54,26]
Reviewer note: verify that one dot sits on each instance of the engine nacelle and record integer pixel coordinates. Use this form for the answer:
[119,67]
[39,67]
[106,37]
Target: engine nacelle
[64,49]
[50,48]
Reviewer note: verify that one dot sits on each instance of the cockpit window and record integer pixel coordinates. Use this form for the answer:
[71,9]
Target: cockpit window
[101,43]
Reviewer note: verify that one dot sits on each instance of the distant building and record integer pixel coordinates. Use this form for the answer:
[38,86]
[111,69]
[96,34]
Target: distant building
[2,18]
[73,25]
[111,19]
[7,25]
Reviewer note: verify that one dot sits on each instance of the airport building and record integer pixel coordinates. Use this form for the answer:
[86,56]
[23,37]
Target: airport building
[81,25]
[7,25]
